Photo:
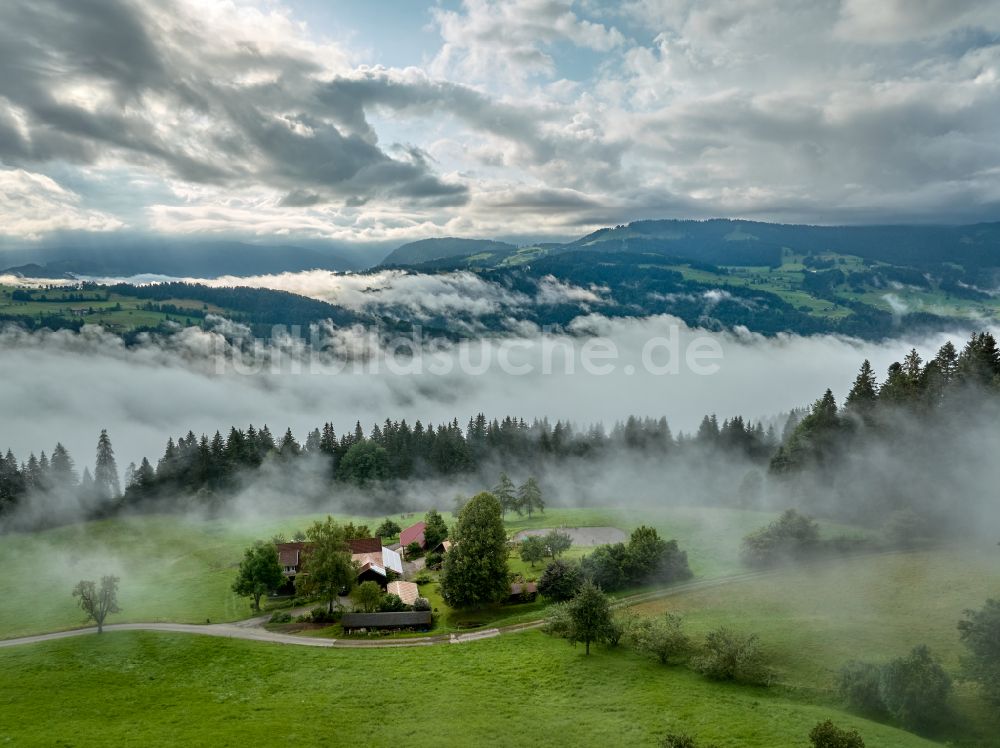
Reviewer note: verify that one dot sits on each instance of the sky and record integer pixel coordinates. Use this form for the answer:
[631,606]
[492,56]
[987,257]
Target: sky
[393,121]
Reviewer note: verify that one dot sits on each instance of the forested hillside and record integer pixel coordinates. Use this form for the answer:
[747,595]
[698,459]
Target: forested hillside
[917,449]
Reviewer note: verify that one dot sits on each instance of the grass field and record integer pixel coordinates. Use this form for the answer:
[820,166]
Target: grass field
[117,311]
[813,620]
[175,569]
[138,689]
[171,569]
[147,689]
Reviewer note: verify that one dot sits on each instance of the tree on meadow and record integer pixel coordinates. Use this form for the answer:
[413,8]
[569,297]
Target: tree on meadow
[532,550]
[259,573]
[590,615]
[98,602]
[506,495]
[475,570]
[529,497]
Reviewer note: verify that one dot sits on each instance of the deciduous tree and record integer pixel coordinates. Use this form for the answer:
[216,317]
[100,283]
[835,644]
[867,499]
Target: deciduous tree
[98,602]
[980,633]
[326,564]
[475,570]
[435,529]
[590,614]
[259,572]
[532,549]
[367,596]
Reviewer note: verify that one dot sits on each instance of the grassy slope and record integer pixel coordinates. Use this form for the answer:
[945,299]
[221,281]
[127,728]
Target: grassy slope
[180,570]
[129,316]
[171,569]
[139,689]
[813,620]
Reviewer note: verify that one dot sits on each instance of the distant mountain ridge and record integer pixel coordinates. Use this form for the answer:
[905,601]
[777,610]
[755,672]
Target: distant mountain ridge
[732,242]
[179,260]
[428,250]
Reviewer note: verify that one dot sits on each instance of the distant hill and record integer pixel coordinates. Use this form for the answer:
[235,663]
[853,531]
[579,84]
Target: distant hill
[181,260]
[428,250]
[736,243]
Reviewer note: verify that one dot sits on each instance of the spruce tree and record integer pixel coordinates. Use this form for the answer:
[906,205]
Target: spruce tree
[863,396]
[504,493]
[62,472]
[529,497]
[106,485]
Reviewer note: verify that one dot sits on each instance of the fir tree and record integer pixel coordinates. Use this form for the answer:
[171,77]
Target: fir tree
[106,485]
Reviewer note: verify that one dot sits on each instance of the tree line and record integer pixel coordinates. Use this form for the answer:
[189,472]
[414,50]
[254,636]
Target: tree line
[391,451]
[895,448]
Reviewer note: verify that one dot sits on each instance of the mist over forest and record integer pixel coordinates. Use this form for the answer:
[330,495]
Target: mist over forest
[911,447]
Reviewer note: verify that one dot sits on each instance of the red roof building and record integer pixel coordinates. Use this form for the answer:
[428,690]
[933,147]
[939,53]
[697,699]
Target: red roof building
[413,534]
[365,545]
[290,557]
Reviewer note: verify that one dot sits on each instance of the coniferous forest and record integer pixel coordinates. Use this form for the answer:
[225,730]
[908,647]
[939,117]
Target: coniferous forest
[883,452]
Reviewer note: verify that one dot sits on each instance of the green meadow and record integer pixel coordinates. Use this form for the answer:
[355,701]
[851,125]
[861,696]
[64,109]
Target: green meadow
[180,570]
[131,688]
[144,689]
[814,619]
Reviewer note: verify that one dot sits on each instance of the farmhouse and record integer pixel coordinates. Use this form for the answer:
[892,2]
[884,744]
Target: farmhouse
[374,560]
[290,558]
[418,619]
[413,534]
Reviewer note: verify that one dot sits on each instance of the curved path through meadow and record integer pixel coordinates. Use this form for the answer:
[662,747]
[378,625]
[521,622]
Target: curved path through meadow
[253,630]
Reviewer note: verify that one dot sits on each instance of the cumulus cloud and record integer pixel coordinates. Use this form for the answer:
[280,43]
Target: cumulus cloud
[531,117]
[211,92]
[485,38]
[33,204]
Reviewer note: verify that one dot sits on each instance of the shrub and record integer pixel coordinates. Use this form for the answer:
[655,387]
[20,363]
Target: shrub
[388,529]
[423,578]
[413,550]
[559,621]
[828,735]
[905,529]
[677,740]
[858,687]
[560,581]
[322,615]
[661,637]
[367,596]
[647,558]
[605,566]
[421,603]
[618,626]
[980,633]
[680,740]
[434,560]
[391,604]
[729,655]
[789,537]
[281,616]
[915,689]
